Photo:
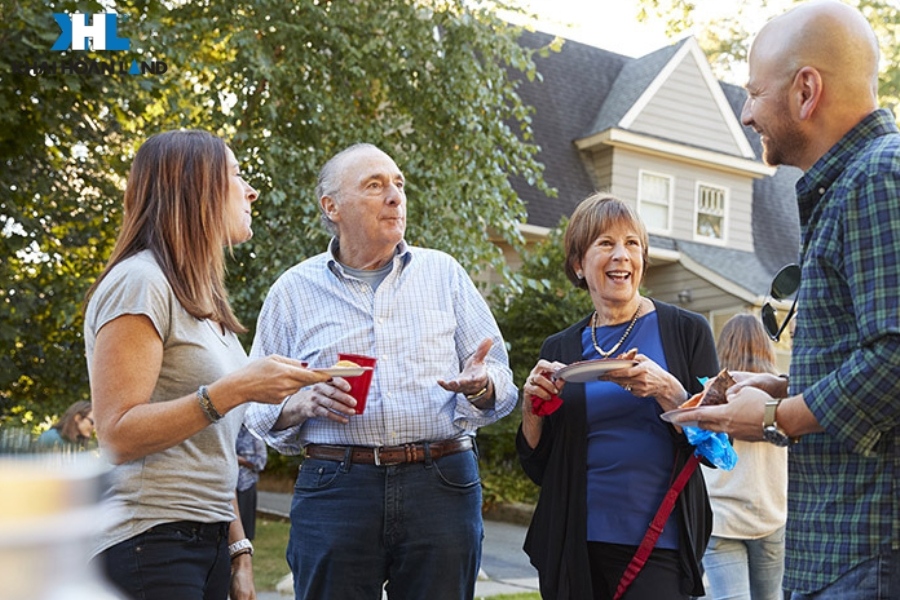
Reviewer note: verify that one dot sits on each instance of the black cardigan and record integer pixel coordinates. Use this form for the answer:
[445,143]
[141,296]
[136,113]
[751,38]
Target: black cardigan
[557,540]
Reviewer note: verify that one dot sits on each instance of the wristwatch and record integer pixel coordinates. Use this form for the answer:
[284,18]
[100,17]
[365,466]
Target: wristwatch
[772,433]
[243,546]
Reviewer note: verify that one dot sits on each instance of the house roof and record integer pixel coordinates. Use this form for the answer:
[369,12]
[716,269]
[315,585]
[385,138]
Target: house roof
[586,90]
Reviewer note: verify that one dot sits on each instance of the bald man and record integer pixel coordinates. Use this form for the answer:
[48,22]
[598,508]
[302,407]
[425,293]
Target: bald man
[812,98]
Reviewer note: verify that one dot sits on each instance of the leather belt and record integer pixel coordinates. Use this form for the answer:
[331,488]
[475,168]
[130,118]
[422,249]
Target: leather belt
[389,455]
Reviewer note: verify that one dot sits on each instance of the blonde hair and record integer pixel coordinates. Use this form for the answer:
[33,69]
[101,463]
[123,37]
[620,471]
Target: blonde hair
[175,202]
[744,346]
[595,215]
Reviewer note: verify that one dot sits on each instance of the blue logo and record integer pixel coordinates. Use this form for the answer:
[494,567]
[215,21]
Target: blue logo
[102,31]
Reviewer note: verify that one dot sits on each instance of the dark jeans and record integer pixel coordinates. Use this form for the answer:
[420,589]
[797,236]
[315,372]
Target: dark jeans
[416,526]
[174,561]
[658,580]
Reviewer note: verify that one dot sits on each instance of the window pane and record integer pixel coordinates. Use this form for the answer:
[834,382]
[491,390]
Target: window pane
[710,211]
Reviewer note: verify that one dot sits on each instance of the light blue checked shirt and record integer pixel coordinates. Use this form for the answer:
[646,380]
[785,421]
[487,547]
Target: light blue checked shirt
[422,324]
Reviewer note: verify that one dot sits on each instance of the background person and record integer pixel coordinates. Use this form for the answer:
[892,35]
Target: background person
[812,97]
[745,556]
[74,429]
[605,459]
[169,377]
[252,457]
[393,494]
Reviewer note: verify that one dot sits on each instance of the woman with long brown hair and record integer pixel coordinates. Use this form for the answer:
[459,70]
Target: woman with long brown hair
[169,378]
[74,429]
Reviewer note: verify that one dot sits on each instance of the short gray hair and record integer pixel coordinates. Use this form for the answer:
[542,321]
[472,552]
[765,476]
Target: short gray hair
[329,181]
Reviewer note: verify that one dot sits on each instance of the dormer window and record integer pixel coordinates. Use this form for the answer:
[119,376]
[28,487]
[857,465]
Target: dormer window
[710,217]
[655,201]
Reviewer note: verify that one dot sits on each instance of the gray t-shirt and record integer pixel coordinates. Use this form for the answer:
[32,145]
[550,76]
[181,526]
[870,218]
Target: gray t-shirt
[194,480]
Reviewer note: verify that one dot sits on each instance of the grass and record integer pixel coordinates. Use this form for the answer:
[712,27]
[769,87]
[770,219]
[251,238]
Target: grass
[269,564]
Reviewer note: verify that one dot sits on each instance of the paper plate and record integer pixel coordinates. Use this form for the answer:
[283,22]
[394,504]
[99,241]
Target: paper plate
[592,370]
[667,416]
[343,371]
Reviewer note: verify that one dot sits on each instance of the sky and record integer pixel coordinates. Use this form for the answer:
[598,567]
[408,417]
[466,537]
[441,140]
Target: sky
[613,24]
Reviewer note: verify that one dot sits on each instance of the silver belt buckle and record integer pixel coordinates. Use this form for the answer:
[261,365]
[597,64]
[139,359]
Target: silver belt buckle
[376,452]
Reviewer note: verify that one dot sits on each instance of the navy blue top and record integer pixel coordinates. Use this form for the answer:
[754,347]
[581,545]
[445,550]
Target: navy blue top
[630,454]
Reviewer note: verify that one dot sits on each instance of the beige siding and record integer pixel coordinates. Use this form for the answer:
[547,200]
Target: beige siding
[627,164]
[683,110]
[665,282]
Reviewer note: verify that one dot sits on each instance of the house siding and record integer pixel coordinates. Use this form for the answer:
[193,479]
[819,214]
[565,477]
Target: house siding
[618,171]
[684,110]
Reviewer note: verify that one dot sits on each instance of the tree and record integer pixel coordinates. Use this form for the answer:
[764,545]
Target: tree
[287,84]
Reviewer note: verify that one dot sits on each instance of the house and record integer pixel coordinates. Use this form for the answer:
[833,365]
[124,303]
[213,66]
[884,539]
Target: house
[663,133]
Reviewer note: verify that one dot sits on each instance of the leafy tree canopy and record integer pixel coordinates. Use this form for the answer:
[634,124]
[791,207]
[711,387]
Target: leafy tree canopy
[287,84]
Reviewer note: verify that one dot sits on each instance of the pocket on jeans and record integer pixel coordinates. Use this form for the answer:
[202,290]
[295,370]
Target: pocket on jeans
[317,474]
[458,471]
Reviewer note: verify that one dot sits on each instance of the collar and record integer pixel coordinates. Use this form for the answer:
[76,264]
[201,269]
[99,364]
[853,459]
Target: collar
[402,255]
[821,176]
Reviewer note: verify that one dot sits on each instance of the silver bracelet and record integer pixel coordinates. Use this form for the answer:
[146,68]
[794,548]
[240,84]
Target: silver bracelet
[206,404]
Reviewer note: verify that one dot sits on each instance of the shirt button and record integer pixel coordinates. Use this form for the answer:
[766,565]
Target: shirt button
[821,191]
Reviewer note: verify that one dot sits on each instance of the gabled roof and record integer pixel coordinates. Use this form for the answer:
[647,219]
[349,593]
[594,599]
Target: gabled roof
[586,90]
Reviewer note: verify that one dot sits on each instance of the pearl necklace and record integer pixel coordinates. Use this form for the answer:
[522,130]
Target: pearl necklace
[597,347]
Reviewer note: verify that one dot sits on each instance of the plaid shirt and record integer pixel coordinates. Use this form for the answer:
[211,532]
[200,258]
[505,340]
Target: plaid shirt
[844,489]
[422,324]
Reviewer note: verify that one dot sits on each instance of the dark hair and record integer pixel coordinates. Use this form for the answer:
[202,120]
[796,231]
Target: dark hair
[595,215]
[68,426]
[175,203]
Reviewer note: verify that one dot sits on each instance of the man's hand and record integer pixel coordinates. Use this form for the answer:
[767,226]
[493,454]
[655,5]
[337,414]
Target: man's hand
[474,378]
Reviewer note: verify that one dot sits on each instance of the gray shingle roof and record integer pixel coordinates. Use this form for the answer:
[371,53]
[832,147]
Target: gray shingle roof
[587,90]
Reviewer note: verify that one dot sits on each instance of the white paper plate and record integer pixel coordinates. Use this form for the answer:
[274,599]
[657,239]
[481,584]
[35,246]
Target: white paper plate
[667,416]
[592,370]
[343,371]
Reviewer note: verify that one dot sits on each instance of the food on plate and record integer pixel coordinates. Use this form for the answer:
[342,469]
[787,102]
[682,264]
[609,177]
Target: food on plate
[714,393]
[345,363]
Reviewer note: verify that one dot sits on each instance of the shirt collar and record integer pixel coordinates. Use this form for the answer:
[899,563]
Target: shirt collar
[402,255]
[820,177]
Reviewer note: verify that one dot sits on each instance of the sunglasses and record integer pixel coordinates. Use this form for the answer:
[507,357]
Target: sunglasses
[785,284]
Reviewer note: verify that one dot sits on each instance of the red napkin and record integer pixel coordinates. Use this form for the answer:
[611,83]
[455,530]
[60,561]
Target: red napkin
[542,407]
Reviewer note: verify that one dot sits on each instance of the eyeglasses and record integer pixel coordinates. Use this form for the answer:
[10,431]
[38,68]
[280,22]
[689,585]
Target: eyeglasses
[785,283]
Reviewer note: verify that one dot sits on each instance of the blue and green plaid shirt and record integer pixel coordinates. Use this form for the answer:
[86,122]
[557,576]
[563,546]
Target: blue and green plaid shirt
[844,489]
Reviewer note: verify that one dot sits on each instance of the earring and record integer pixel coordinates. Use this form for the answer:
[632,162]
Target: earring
[579,275]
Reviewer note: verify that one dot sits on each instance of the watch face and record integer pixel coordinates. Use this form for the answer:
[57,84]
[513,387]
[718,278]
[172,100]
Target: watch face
[772,435]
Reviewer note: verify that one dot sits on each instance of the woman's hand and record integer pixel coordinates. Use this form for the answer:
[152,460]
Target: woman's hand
[269,380]
[647,379]
[538,384]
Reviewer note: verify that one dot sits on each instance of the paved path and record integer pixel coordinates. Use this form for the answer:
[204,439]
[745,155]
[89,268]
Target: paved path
[504,566]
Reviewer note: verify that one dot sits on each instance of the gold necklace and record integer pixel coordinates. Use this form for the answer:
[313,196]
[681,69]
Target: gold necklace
[597,347]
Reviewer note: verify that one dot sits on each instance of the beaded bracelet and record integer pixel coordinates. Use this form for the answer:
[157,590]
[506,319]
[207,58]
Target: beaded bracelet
[206,404]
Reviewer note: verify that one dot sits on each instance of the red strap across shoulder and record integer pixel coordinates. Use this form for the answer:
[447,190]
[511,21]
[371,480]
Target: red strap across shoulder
[656,527]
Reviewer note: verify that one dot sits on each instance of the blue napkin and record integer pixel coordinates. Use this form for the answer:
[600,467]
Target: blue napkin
[713,446]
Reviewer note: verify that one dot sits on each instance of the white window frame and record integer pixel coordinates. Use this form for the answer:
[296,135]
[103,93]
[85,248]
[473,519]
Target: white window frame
[726,196]
[670,206]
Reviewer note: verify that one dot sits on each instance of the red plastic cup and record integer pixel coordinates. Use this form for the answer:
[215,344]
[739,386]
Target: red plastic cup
[359,386]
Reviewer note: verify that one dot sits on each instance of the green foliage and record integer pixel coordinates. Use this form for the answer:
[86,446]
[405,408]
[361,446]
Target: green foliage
[287,84]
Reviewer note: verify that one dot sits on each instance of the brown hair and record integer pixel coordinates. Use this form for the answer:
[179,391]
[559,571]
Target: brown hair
[744,346]
[174,206]
[595,215]
[68,427]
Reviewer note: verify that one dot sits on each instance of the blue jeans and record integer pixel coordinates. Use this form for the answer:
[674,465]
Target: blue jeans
[875,579]
[415,527]
[745,569]
[183,560]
